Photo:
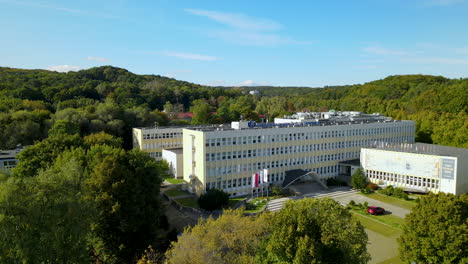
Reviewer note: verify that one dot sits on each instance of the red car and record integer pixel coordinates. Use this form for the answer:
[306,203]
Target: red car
[374,210]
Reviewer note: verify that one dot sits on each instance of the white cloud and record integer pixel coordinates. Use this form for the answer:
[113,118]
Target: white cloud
[245,30]
[251,83]
[436,60]
[190,56]
[64,68]
[255,38]
[384,51]
[247,83]
[59,8]
[216,83]
[98,59]
[238,21]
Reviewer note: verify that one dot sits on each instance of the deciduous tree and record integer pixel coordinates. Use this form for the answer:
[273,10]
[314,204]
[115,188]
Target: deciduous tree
[436,230]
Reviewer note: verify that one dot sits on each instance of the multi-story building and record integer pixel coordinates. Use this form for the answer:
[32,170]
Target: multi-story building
[417,167]
[154,139]
[226,157]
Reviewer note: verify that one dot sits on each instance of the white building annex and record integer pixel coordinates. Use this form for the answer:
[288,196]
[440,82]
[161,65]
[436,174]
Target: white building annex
[417,167]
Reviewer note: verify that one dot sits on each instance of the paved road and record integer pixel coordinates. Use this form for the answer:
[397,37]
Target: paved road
[342,195]
[398,211]
[277,204]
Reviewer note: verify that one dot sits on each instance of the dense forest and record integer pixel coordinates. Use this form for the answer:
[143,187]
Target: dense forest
[114,100]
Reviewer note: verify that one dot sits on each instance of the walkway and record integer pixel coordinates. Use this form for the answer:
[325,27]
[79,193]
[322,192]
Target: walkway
[277,204]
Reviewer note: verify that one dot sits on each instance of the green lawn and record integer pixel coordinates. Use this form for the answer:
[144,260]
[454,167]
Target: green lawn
[388,219]
[189,202]
[174,181]
[378,227]
[234,201]
[394,260]
[391,200]
[256,205]
[175,192]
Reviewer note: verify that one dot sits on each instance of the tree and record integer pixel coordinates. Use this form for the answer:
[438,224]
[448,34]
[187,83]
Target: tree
[314,231]
[436,230]
[213,199]
[44,219]
[124,186]
[102,138]
[232,238]
[358,180]
[201,113]
[43,154]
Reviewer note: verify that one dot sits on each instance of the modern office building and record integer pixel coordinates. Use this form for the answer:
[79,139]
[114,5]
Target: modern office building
[227,157]
[154,139]
[417,167]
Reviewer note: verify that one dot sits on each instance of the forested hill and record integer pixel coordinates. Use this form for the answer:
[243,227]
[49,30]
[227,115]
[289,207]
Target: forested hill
[114,100]
[437,104]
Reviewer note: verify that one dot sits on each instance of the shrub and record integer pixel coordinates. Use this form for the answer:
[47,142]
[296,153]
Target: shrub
[372,186]
[276,190]
[366,190]
[358,180]
[213,199]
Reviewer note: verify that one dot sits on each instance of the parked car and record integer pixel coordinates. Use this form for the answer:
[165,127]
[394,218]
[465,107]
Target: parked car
[374,210]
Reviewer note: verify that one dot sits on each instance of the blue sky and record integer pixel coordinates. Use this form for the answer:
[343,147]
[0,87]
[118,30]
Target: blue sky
[294,43]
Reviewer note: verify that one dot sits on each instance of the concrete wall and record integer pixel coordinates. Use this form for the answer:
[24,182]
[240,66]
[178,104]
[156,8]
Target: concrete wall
[175,160]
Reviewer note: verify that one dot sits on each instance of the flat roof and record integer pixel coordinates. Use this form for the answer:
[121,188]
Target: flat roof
[9,154]
[175,150]
[286,125]
[424,148]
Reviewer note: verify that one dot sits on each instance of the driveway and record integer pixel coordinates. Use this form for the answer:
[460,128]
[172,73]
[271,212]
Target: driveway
[398,211]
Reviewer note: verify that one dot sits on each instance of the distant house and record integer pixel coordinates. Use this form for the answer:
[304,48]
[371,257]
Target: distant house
[8,159]
[185,116]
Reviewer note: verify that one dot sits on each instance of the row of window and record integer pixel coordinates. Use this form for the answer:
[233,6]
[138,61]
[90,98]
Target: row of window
[407,180]
[226,141]
[8,164]
[268,152]
[272,178]
[162,135]
[242,182]
[155,154]
[252,167]
[162,145]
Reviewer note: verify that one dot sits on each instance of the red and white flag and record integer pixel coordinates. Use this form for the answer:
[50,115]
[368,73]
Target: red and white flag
[255,180]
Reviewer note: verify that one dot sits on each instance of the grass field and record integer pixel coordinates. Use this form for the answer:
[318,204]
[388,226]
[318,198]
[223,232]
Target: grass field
[234,201]
[174,181]
[394,260]
[189,202]
[408,205]
[174,192]
[388,219]
[376,226]
[383,249]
